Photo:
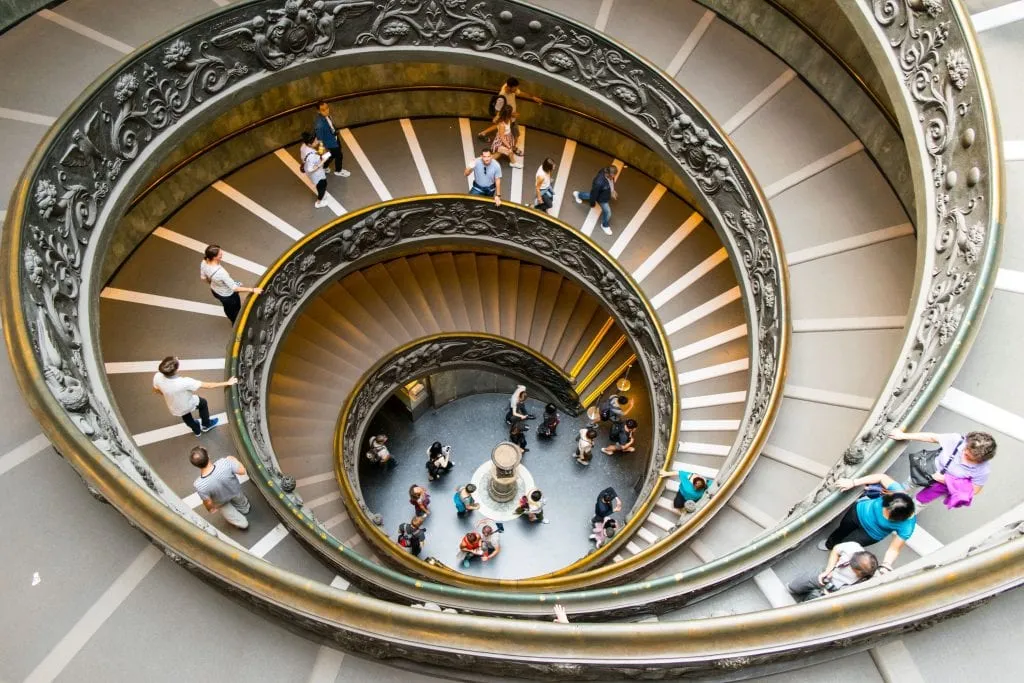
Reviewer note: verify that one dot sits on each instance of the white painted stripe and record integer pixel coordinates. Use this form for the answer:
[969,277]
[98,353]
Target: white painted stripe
[164,433]
[150,366]
[315,479]
[795,461]
[515,192]
[709,425]
[326,666]
[83,30]
[715,340]
[831,398]
[660,522]
[713,371]
[353,541]
[1013,150]
[666,247]
[161,301]
[998,16]
[200,247]
[365,165]
[647,535]
[466,133]
[812,169]
[1010,280]
[697,448]
[984,413]
[595,213]
[679,465]
[562,176]
[323,500]
[340,583]
[602,14]
[894,662]
[257,209]
[94,618]
[22,452]
[633,548]
[26,117]
[641,215]
[751,512]
[222,3]
[694,274]
[417,156]
[762,98]
[771,586]
[701,550]
[711,400]
[334,521]
[702,311]
[853,324]
[269,541]
[665,503]
[850,243]
[293,165]
[690,43]
[194,501]
[922,542]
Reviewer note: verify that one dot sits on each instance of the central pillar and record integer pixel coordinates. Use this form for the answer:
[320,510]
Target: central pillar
[505,459]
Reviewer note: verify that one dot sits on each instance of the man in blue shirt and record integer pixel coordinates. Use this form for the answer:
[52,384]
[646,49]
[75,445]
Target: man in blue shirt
[486,174]
[602,192]
[327,133]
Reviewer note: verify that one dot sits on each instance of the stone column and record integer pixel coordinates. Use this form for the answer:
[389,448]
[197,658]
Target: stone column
[505,459]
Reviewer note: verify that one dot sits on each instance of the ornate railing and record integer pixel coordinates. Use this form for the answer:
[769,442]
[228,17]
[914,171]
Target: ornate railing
[359,239]
[80,178]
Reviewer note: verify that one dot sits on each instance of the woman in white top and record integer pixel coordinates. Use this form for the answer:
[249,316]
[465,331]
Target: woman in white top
[223,287]
[312,162]
[542,185]
[517,406]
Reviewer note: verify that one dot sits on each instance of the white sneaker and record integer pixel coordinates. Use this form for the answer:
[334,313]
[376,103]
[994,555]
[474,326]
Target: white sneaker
[606,229]
[821,545]
[344,173]
[576,196]
[319,204]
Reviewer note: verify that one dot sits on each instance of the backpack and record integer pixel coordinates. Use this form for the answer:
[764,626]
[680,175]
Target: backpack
[606,414]
[460,506]
[492,105]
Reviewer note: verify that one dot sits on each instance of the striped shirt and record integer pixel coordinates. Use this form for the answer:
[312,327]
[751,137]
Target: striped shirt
[220,485]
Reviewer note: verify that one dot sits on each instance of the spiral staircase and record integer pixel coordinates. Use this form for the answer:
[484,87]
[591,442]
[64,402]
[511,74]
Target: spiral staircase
[850,246]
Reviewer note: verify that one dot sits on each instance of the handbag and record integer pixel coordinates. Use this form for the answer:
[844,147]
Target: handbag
[923,465]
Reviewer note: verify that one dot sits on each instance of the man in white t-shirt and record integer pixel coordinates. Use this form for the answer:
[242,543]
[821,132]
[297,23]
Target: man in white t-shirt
[181,397]
[848,563]
[965,456]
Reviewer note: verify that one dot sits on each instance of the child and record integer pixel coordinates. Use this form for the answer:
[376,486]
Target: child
[551,420]
[464,500]
[603,530]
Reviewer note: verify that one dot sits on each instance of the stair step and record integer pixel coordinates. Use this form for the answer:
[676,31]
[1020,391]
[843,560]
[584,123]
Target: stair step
[422,267]
[647,535]
[565,304]
[547,295]
[529,283]
[490,292]
[380,279]
[659,521]
[448,278]
[508,296]
[469,281]
[405,280]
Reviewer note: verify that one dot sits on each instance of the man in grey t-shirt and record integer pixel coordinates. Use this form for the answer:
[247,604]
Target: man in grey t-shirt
[848,563]
[218,486]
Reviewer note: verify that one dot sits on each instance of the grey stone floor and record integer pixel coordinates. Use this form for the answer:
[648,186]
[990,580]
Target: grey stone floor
[473,426]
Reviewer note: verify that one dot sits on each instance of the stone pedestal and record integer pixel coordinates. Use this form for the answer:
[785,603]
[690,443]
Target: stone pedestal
[505,459]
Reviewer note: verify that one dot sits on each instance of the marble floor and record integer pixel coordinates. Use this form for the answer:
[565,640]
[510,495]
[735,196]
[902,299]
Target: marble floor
[473,426]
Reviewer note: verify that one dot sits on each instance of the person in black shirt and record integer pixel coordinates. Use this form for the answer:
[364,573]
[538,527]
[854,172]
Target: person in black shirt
[607,504]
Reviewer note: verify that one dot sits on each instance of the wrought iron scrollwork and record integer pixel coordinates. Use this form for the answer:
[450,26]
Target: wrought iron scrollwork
[929,49]
[324,256]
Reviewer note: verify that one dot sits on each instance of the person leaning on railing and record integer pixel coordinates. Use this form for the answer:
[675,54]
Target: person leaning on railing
[884,509]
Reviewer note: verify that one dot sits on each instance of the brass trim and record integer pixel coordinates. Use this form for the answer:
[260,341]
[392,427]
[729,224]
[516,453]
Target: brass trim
[596,394]
[599,366]
[591,348]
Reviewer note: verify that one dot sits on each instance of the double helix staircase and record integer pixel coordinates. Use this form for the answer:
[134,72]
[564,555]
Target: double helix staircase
[849,244]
